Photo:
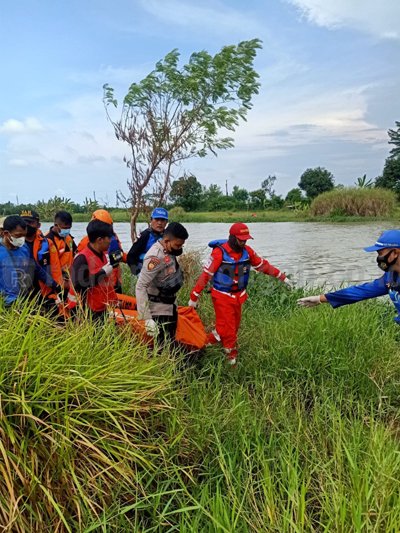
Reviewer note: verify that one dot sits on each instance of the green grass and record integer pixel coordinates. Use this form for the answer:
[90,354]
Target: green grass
[262,216]
[355,202]
[99,435]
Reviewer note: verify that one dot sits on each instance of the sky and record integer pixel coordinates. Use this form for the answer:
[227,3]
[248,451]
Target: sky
[330,75]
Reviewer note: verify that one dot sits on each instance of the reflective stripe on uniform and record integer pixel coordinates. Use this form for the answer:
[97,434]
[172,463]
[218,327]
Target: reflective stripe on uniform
[258,266]
[214,332]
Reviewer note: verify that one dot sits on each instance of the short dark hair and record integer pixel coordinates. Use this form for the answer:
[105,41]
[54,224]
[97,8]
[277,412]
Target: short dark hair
[13,222]
[98,228]
[176,230]
[64,217]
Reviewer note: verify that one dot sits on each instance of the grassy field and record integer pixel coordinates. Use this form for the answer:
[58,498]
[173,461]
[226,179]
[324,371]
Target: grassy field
[99,435]
[247,217]
[355,202]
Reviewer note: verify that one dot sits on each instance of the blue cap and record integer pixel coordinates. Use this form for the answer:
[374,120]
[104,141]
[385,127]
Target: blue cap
[388,239]
[159,212]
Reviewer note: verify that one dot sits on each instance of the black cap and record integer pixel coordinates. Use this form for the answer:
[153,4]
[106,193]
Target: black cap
[30,215]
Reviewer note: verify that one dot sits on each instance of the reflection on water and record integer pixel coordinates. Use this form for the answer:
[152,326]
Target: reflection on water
[314,253]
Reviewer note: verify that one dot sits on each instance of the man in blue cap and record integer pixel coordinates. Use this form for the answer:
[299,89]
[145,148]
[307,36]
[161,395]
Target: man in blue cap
[158,222]
[388,259]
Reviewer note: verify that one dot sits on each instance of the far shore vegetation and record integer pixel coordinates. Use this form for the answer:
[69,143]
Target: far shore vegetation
[317,198]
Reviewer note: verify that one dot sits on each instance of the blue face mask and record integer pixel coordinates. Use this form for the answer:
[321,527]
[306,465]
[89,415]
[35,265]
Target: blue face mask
[64,232]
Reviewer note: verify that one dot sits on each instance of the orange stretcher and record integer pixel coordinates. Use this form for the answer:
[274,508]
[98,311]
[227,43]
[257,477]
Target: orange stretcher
[190,330]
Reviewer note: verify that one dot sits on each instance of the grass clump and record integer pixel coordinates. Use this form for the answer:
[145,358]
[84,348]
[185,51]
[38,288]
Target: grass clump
[355,203]
[99,435]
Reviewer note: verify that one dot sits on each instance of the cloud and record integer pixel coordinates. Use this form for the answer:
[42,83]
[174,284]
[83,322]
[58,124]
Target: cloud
[215,17]
[378,18]
[13,126]
[90,159]
[112,75]
[18,163]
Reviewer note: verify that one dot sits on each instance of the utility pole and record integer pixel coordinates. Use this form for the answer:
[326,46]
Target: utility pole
[116,198]
[226,187]
[94,195]
[17,200]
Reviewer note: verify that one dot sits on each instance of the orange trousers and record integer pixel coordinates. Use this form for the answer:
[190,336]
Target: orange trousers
[228,314]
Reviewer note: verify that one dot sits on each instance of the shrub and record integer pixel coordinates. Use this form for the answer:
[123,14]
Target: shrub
[176,212]
[354,202]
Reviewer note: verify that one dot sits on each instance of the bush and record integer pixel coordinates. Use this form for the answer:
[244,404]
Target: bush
[354,202]
[176,212]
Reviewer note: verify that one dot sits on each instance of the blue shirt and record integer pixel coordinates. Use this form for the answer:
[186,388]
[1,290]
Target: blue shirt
[373,289]
[9,286]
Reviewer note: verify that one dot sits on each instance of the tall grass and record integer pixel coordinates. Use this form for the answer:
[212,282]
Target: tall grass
[355,202]
[283,215]
[99,435]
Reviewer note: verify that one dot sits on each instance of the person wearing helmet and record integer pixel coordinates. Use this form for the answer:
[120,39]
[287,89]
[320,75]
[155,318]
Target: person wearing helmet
[115,251]
[229,269]
[388,260]
[158,222]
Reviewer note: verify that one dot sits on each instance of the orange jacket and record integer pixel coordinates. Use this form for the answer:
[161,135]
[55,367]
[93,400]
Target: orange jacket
[66,249]
[47,257]
[117,274]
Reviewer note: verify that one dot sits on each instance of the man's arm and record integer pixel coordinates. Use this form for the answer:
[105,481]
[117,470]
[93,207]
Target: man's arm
[138,248]
[357,293]
[41,274]
[211,266]
[348,296]
[262,265]
[152,265]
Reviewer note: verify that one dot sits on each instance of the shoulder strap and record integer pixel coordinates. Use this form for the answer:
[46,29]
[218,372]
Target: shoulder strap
[10,254]
[14,263]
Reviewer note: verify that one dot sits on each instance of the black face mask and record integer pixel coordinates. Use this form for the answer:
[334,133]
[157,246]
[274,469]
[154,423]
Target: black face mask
[383,262]
[176,252]
[232,241]
[30,231]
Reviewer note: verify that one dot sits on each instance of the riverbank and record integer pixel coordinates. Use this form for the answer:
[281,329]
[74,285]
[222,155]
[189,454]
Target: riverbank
[99,435]
[248,217]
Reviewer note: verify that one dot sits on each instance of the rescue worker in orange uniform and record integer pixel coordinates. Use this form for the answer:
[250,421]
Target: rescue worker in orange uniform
[115,250]
[229,269]
[91,274]
[45,254]
[60,235]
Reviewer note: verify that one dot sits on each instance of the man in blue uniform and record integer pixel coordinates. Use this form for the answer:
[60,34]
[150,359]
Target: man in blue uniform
[388,259]
[18,269]
[158,222]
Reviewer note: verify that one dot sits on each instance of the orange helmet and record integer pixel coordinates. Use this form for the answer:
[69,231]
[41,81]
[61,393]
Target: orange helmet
[103,215]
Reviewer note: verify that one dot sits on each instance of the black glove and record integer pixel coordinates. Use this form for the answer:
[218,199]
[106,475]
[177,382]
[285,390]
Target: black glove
[116,257]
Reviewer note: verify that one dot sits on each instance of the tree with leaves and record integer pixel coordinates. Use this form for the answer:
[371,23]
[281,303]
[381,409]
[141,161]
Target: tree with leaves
[363,183]
[294,196]
[176,113]
[258,199]
[186,192]
[395,139]
[240,197]
[315,181]
[390,178]
[268,184]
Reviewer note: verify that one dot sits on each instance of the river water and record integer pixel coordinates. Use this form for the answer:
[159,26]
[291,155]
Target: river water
[314,253]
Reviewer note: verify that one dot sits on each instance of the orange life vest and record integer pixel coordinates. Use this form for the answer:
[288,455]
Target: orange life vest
[65,248]
[47,257]
[99,296]
[116,273]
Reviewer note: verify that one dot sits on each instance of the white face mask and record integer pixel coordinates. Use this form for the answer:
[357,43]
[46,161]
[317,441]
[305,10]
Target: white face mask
[17,242]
